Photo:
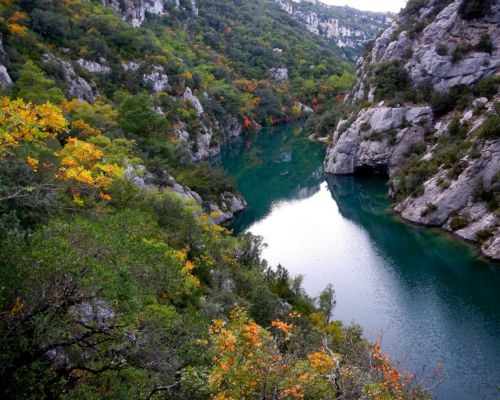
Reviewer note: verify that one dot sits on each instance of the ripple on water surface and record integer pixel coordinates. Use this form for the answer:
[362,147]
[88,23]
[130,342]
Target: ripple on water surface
[433,298]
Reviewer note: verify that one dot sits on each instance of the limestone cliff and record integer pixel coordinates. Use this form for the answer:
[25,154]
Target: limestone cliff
[346,27]
[425,110]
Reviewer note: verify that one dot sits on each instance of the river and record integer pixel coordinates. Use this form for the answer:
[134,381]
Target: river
[432,297]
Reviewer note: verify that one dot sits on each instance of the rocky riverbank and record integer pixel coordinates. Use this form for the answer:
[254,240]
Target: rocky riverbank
[425,111]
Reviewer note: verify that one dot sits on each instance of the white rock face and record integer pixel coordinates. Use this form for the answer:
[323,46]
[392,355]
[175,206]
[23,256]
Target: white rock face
[450,31]
[134,11]
[130,66]
[279,74]
[194,8]
[188,95]
[156,78]
[383,138]
[344,33]
[379,138]
[77,86]
[5,78]
[93,66]
[200,145]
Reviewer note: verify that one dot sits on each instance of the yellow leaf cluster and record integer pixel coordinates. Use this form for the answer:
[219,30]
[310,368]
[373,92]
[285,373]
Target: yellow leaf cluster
[22,122]
[82,162]
[84,129]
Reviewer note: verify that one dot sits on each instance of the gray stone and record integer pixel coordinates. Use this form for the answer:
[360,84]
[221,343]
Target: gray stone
[77,86]
[188,95]
[134,11]
[5,78]
[156,78]
[93,66]
[279,74]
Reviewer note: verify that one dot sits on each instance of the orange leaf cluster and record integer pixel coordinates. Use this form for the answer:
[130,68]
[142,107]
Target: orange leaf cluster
[391,377]
[321,362]
[282,326]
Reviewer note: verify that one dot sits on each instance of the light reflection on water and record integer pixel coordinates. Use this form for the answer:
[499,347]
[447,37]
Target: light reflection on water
[432,297]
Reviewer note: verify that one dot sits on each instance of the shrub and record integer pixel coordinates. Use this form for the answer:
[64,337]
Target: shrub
[458,97]
[207,180]
[49,24]
[484,45]
[472,9]
[442,49]
[391,79]
[491,128]
[407,54]
[460,51]
[365,126]
[138,118]
[413,7]
[34,85]
[430,207]
[488,87]
[483,235]
[441,103]
[458,222]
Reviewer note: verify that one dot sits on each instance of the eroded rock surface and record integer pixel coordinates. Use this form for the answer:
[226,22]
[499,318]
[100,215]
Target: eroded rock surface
[385,136]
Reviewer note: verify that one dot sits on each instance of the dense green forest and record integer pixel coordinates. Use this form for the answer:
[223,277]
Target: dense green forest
[110,289]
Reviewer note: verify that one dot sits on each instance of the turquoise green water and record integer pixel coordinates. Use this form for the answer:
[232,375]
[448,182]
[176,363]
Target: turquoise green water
[433,298]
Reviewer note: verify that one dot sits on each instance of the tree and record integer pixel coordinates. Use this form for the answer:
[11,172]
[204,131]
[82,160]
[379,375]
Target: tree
[391,79]
[95,310]
[138,118]
[34,85]
[327,301]
[30,133]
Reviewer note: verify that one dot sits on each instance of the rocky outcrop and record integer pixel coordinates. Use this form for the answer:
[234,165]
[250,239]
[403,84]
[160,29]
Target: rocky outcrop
[347,27]
[188,95]
[135,11]
[130,66]
[230,127]
[221,211]
[5,79]
[279,74]
[441,206]
[94,66]
[156,78]
[201,144]
[379,138]
[229,205]
[449,50]
[387,135]
[434,48]
[78,87]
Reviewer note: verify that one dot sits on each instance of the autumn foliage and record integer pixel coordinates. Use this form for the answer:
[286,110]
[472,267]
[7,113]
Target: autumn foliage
[248,362]
[32,131]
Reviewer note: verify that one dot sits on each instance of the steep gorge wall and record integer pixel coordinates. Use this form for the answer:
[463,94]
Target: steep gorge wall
[348,28]
[444,166]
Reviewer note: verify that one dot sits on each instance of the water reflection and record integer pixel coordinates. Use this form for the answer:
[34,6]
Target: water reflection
[273,165]
[434,298]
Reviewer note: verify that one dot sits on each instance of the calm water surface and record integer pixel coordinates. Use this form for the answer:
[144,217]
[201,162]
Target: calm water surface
[433,298]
